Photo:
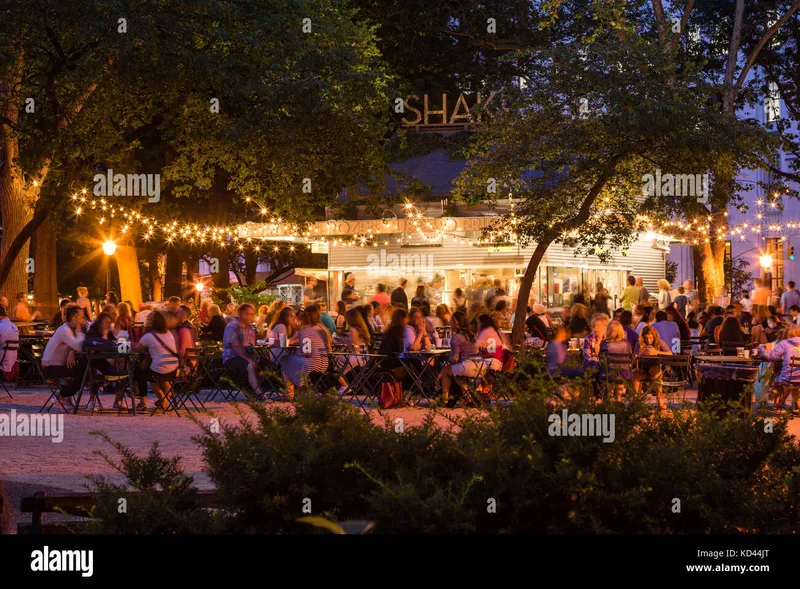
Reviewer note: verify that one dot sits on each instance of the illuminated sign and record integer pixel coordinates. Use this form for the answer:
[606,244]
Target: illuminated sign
[427,114]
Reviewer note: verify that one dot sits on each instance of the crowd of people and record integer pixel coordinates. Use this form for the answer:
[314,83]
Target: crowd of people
[475,328]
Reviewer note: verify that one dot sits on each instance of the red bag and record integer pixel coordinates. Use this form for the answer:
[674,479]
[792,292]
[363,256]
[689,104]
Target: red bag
[391,393]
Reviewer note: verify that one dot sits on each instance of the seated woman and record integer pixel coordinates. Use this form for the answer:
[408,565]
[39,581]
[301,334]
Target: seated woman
[393,344]
[617,344]
[490,342]
[374,316]
[464,358]
[285,324]
[215,329]
[341,314]
[647,351]
[594,341]
[730,334]
[100,337]
[788,381]
[358,342]
[415,335]
[159,344]
[502,315]
[310,360]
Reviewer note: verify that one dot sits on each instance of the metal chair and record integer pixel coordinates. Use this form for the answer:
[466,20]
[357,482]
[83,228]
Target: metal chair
[676,372]
[11,346]
[614,366]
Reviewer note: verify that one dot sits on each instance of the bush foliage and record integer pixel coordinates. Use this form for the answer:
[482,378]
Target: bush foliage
[684,471]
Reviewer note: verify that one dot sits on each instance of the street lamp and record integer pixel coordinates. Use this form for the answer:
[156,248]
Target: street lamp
[109,247]
[199,287]
[766,261]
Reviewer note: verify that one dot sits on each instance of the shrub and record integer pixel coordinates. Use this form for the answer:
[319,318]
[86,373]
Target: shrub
[723,471]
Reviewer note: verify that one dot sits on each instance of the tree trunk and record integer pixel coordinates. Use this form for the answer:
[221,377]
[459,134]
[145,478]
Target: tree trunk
[524,294]
[130,281]
[173,286]
[17,210]
[250,265]
[45,280]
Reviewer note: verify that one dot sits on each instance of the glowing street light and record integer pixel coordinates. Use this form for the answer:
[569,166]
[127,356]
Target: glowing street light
[765,261]
[109,247]
[199,287]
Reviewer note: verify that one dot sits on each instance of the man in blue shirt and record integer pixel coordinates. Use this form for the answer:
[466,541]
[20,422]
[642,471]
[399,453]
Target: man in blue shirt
[326,319]
[240,335]
[789,298]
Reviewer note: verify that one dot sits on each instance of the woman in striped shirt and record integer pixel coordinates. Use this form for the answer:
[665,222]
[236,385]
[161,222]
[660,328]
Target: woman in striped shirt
[315,345]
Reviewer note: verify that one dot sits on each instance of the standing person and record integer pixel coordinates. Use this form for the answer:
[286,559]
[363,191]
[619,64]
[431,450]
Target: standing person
[747,304]
[664,296]
[310,295]
[761,294]
[681,301]
[459,301]
[8,333]
[84,303]
[419,297]
[690,292]
[381,297]
[239,362]
[644,296]
[59,358]
[630,295]
[789,297]
[399,297]
[600,302]
[349,293]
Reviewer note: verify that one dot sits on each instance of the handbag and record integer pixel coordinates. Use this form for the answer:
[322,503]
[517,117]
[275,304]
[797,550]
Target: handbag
[391,393]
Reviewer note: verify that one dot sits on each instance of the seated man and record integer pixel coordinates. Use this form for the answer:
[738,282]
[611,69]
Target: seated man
[8,359]
[240,335]
[59,359]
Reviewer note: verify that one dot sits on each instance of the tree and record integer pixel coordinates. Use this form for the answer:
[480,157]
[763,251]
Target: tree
[597,116]
[234,87]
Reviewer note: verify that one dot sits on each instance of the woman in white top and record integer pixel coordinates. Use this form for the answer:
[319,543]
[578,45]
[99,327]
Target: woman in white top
[160,346]
[664,298]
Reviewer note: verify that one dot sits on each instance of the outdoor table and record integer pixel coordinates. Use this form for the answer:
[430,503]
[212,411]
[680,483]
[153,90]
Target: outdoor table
[719,359]
[727,380]
[420,368]
[129,358]
[362,382]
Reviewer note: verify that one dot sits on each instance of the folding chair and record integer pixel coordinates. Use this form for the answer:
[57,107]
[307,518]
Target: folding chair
[792,388]
[614,365]
[29,360]
[98,380]
[676,372]
[504,380]
[11,346]
[213,370]
[55,384]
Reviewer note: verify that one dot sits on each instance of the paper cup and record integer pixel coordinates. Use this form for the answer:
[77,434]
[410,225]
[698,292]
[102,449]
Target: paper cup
[282,340]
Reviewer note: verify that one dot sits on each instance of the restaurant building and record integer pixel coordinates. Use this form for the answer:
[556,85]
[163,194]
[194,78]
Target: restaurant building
[443,250]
